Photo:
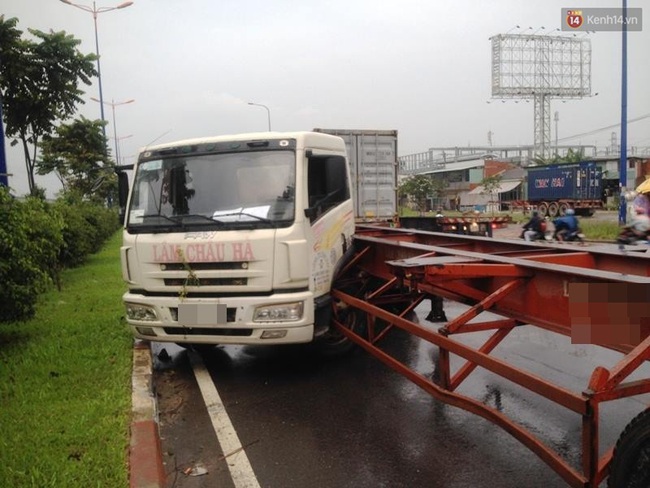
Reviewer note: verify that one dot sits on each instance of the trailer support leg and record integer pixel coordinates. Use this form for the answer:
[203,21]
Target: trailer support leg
[437,313]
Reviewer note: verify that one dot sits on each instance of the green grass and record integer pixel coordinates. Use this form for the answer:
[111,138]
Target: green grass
[65,383]
[599,230]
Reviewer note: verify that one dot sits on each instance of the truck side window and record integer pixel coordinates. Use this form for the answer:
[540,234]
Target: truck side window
[327,184]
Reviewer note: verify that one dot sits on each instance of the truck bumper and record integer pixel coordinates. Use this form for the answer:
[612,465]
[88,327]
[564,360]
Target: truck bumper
[156,319]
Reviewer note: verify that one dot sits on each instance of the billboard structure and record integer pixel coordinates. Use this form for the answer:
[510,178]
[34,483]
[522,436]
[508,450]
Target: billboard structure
[541,67]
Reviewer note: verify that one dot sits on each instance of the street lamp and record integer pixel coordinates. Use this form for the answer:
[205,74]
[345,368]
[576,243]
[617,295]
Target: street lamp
[113,105]
[119,148]
[268,112]
[96,11]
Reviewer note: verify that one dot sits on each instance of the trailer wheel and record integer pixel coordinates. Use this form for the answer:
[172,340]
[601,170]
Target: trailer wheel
[563,208]
[553,208]
[630,466]
[542,208]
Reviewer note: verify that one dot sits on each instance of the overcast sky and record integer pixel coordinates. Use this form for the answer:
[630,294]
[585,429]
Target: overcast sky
[419,66]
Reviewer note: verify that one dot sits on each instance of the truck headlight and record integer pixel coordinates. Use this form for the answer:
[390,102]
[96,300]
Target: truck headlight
[283,312]
[142,313]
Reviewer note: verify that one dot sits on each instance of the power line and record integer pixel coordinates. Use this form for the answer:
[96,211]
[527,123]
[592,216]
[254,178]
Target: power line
[596,131]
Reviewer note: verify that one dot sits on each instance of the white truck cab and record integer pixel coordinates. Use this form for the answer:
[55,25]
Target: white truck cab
[235,239]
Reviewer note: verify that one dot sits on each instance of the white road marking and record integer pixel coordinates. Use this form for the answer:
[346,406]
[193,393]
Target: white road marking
[236,459]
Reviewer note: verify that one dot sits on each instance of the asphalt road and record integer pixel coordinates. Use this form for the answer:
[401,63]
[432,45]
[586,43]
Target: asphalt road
[304,421]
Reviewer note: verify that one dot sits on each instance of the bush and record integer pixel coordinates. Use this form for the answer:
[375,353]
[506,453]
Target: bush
[86,227]
[105,222]
[37,239]
[30,240]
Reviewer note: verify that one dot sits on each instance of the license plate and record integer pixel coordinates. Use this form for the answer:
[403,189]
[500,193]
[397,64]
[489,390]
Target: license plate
[202,314]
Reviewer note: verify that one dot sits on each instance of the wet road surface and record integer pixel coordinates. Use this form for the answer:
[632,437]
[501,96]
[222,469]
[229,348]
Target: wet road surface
[305,421]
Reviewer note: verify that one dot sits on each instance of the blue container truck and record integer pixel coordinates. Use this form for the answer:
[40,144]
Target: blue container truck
[555,188]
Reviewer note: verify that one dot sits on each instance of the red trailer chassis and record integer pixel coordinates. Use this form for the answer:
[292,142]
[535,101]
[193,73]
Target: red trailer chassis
[392,271]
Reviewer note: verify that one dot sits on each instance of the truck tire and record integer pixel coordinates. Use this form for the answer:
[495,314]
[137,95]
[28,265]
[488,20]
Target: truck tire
[553,209]
[333,343]
[542,208]
[630,466]
[563,208]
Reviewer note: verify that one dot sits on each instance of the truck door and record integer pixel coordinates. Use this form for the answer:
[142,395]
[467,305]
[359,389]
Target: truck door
[330,214]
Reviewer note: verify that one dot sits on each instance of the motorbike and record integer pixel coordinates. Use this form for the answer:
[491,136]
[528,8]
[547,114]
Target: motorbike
[550,236]
[575,236]
[541,235]
[628,237]
[544,235]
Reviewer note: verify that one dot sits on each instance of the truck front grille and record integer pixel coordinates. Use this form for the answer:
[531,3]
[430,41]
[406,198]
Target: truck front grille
[208,332]
[206,282]
[238,265]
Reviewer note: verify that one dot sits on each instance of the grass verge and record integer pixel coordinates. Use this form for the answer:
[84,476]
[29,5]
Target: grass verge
[599,230]
[65,383]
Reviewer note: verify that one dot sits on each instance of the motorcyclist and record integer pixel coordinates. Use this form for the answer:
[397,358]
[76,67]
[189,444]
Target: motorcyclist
[567,227]
[638,228]
[534,228]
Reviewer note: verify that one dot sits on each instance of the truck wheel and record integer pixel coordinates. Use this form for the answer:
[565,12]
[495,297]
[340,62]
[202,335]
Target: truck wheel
[553,209]
[333,343]
[630,466]
[563,208]
[542,208]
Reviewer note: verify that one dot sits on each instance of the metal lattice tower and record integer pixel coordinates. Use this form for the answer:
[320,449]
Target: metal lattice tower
[541,67]
[542,124]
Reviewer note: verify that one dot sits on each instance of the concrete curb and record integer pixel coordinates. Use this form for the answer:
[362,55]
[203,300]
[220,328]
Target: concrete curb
[145,454]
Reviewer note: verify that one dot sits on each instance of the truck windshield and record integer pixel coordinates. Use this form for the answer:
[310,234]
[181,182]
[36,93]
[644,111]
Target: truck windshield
[231,190]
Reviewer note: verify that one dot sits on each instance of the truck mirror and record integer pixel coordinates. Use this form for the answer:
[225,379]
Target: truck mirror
[311,213]
[122,192]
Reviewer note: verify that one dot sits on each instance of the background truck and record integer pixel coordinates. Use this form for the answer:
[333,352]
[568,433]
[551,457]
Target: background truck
[553,189]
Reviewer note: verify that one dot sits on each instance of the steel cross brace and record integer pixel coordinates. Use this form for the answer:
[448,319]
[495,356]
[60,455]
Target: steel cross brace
[558,394]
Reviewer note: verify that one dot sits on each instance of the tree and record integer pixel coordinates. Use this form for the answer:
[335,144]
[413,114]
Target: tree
[570,157]
[77,155]
[491,186]
[39,85]
[420,187]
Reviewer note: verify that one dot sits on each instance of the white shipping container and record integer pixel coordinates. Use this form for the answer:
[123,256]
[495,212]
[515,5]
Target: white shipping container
[373,168]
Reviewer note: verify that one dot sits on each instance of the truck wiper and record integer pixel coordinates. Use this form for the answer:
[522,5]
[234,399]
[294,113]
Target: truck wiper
[262,219]
[257,217]
[182,218]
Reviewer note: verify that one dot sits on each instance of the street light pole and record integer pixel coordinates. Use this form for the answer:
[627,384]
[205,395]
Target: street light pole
[113,105]
[95,11]
[622,173]
[119,147]
[268,112]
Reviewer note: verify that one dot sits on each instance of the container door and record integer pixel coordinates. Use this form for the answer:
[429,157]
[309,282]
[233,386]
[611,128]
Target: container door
[375,166]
